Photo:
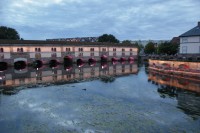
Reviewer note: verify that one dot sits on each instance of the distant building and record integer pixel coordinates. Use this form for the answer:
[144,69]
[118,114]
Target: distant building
[76,39]
[145,42]
[190,41]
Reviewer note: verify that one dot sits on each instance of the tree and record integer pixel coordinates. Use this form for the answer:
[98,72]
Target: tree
[126,42]
[8,33]
[150,48]
[108,38]
[168,48]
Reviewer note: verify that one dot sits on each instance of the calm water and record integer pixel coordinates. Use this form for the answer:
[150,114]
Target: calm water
[120,98]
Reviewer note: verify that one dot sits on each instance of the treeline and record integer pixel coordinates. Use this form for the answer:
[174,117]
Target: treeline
[168,48]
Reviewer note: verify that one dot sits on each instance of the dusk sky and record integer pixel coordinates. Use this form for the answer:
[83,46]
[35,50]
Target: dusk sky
[125,19]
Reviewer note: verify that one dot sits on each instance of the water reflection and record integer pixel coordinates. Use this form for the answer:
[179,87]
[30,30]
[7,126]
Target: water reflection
[59,74]
[186,91]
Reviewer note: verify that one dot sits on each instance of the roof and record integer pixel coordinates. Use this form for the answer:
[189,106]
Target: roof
[193,32]
[175,40]
[59,43]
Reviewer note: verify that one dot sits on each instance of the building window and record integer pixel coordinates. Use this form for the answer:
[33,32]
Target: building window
[1,50]
[53,49]
[68,49]
[20,50]
[91,49]
[184,40]
[104,49]
[114,49]
[80,49]
[184,49]
[123,50]
[131,49]
[37,50]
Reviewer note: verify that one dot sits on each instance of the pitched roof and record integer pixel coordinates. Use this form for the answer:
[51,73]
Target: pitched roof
[193,32]
[58,43]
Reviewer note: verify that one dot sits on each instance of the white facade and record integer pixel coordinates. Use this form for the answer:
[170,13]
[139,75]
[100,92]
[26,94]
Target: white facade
[190,45]
[190,41]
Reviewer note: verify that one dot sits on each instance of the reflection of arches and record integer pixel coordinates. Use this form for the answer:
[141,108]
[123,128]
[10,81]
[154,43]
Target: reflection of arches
[104,58]
[114,59]
[131,59]
[3,66]
[53,63]
[104,65]
[68,60]
[37,64]
[20,65]
[122,59]
[183,66]
[68,67]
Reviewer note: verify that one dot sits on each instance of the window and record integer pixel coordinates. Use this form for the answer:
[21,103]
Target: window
[131,50]
[91,49]
[103,49]
[68,49]
[184,49]
[20,50]
[114,49]
[184,40]
[123,50]
[53,49]
[80,49]
[37,50]
[1,50]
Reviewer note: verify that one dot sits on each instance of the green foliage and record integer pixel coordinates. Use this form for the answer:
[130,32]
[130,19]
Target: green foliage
[8,33]
[168,48]
[150,48]
[108,38]
[126,42]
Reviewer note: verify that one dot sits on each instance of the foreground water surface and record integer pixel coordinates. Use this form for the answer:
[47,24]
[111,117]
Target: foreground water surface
[101,98]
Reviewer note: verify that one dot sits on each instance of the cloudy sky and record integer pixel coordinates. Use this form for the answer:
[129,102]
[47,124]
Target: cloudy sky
[125,19]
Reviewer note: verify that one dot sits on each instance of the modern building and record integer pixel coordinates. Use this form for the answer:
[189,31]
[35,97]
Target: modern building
[190,41]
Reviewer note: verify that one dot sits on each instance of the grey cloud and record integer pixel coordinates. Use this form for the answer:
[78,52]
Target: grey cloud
[126,19]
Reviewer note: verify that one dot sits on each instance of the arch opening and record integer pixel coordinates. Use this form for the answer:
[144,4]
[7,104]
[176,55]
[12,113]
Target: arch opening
[80,62]
[3,66]
[53,63]
[37,64]
[18,65]
[68,60]
[92,61]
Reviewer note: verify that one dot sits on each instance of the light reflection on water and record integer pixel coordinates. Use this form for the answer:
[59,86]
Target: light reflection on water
[127,102]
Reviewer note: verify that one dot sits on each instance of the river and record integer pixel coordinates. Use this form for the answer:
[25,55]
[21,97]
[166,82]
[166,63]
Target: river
[103,98]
